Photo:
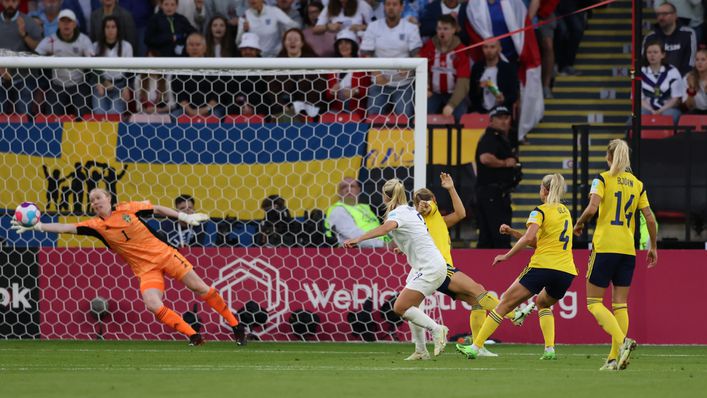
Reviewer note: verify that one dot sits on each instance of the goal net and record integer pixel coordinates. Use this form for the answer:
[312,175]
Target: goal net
[261,145]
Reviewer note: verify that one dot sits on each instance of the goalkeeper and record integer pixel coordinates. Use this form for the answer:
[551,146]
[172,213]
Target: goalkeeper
[122,230]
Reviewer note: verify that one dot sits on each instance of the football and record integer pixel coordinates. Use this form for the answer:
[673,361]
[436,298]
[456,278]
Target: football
[27,214]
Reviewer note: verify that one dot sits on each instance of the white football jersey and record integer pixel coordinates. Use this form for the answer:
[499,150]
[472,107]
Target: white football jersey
[413,238]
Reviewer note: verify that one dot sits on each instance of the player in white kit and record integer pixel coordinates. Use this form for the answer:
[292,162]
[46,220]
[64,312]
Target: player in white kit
[429,269]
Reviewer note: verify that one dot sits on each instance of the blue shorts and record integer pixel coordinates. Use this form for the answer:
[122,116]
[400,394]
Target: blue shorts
[610,267]
[553,281]
[444,287]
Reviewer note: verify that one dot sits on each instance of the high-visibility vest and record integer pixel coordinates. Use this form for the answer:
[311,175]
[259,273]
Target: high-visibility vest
[643,229]
[362,215]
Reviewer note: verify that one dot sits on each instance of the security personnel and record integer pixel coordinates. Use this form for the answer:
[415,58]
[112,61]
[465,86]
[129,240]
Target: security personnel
[348,219]
[496,165]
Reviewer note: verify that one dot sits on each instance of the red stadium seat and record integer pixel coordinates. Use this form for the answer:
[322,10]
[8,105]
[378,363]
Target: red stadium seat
[343,117]
[475,121]
[13,118]
[54,118]
[388,120]
[157,118]
[657,120]
[439,120]
[699,122]
[244,119]
[670,216]
[101,117]
[186,119]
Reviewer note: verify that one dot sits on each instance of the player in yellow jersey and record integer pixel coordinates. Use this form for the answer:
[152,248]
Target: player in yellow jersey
[617,195]
[457,285]
[123,231]
[549,273]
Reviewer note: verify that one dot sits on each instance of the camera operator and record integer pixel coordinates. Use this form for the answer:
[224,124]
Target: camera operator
[278,228]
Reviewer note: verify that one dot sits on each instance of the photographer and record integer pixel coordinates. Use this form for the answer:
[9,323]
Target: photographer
[498,172]
[278,228]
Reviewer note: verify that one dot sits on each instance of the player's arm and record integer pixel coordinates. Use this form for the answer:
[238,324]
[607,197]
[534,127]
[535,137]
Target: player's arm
[57,228]
[459,210]
[652,256]
[505,229]
[191,219]
[376,232]
[589,212]
[528,239]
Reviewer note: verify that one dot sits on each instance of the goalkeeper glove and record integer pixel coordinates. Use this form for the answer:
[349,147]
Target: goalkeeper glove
[192,219]
[19,228]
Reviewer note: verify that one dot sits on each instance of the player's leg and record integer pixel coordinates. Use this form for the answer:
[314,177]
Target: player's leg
[622,282]
[407,306]
[599,274]
[152,288]
[515,295]
[557,284]
[418,337]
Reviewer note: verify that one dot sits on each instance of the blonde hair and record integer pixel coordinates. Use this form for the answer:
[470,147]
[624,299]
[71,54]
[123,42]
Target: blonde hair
[395,191]
[618,154]
[422,194]
[555,186]
[103,191]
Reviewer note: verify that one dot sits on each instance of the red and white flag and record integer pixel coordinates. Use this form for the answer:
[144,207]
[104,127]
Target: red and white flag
[532,106]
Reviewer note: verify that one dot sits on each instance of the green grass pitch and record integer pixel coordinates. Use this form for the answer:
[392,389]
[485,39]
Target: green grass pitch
[172,369]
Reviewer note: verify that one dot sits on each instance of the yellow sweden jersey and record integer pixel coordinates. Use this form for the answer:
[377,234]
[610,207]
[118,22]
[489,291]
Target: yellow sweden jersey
[621,197]
[554,239]
[439,232]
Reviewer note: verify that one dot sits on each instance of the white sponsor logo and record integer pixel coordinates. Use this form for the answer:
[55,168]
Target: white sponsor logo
[344,299]
[16,295]
[268,280]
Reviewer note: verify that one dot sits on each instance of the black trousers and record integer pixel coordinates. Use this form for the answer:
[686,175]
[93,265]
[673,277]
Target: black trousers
[494,209]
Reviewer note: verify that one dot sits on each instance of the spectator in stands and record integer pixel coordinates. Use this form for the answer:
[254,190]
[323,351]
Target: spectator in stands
[198,95]
[322,43]
[494,81]
[437,8]
[49,15]
[269,23]
[496,167]
[690,13]
[338,15]
[680,42]
[661,82]
[546,37]
[153,93]
[125,21]
[82,9]
[219,39]
[111,94]
[347,90]
[448,71]
[287,6]
[294,45]
[392,37]
[252,93]
[695,95]
[231,9]
[179,233]
[17,33]
[69,91]
[141,11]
[167,31]
[347,218]
[278,228]
[195,12]
[569,33]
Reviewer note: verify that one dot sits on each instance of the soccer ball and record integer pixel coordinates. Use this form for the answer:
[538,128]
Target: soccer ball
[27,214]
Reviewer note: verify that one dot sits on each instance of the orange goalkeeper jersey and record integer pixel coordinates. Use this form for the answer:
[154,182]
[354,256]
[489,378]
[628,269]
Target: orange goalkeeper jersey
[128,235]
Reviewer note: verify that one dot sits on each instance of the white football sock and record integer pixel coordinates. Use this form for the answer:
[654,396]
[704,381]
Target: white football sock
[418,337]
[419,318]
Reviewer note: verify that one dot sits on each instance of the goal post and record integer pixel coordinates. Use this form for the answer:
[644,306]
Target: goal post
[286,283]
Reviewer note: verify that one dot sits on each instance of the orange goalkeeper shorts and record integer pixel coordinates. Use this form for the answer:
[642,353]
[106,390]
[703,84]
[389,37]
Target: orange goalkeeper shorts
[177,267]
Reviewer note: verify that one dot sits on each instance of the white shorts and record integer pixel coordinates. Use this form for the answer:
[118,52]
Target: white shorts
[425,282]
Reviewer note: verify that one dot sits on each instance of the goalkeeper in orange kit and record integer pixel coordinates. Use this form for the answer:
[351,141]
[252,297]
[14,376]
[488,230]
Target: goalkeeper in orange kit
[121,229]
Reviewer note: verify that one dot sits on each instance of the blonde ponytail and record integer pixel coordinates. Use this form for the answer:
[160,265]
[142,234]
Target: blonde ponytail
[618,154]
[555,186]
[395,191]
